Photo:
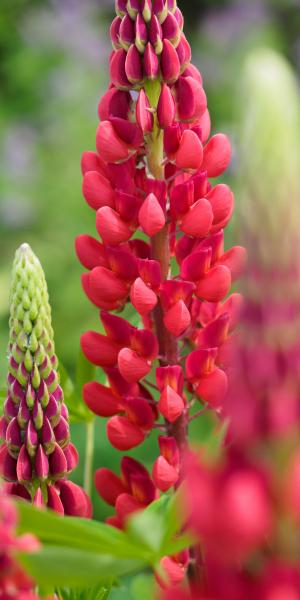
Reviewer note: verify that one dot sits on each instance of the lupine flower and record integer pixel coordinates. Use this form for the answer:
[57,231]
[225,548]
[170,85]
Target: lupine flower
[14,583]
[150,184]
[37,454]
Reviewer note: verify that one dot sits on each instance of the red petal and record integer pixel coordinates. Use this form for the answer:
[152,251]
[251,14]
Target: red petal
[108,486]
[124,435]
[99,349]
[101,400]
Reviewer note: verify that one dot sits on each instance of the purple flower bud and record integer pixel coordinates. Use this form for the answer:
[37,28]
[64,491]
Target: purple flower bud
[184,52]
[10,409]
[62,432]
[172,5]
[126,32]
[156,35]
[160,8]
[30,396]
[58,394]
[13,438]
[151,64]
[43,395]
[3,428]
[7,465]
[169,64]
[172,139]
[64,412]
[31,438]
[166,107]
[45,368]
[41,464]
[144,117]
[133,65]
[114,32]
[38,498]
[141,34]
[74,499]
[47,436]
[37,415]
[146,9]
[52,411]
[58,463]
[13,367]
[22,375]
[117,70]
[52,381]
[171,30]
[17,392]
[179,18]
[35,377]
[24,469]
[54,502]
[133,7]
[72,457]
[23,414]
[121,7]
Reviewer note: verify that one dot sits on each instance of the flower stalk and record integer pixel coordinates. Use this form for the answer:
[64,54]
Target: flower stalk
[161,226]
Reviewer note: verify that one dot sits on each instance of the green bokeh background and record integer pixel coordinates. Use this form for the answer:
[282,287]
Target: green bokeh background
[53,69]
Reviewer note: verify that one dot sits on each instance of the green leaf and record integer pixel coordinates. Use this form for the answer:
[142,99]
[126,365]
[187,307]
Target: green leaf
[148,527]
[143,587]
[65,566]
[52,529]
[99,592]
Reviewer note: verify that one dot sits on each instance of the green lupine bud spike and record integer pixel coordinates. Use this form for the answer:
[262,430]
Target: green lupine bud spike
[40,428]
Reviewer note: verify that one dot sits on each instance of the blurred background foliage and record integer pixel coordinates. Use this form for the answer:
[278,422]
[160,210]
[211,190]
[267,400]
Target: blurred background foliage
[53,69]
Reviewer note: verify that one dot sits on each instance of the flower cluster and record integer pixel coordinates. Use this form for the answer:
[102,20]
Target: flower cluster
[14,583]
[161,222]
[37,454]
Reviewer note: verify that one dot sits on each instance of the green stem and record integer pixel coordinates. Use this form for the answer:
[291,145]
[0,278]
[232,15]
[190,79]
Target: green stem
[89,456]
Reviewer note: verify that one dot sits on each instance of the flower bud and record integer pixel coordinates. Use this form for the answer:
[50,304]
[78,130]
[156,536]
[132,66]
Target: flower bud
[165,107]
[151,63]
[144,116]
[189,156]
[151,216]
[132,366]
[216,155]
[170,405]
[112,229]
[169,63]
[133,65]
[142,297]
[141,34]
[198,221]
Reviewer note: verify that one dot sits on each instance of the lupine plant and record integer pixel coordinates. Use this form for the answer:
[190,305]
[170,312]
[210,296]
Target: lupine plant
[161,224]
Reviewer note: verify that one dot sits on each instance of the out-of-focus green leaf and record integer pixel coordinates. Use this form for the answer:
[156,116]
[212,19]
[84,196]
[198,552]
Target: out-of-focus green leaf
[100,592]
[81,534]
[143,587]
[65,566]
